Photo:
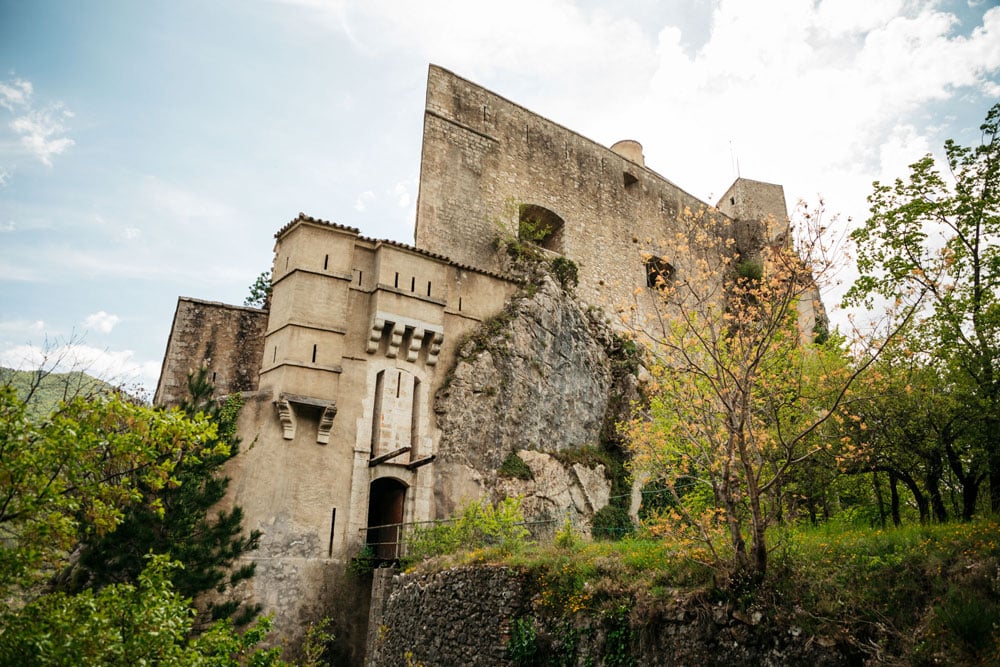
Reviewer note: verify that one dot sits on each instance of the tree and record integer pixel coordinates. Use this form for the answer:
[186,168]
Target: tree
[72,475]
[740,393]
[141,623]
[935,240]
[204,542]
[909,422]
[260,291]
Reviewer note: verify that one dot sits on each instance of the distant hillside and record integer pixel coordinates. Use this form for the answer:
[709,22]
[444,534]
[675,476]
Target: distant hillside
[44,390]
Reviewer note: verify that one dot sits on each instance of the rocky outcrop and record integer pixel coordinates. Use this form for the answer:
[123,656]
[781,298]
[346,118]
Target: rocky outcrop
[542,378]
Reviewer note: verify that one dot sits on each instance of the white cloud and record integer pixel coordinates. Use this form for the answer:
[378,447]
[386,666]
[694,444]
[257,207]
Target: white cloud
[41,130]
[4,177]
[21,328]
[119,367]
[101,321]
[7,226]
[903,147]
[401,193]
[361,204]
[15,94]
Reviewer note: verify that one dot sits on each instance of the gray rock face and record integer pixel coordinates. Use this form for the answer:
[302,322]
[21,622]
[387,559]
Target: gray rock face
[540,380]
[537,380]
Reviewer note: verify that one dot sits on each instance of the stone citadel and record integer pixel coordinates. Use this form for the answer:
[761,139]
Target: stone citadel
[346,374]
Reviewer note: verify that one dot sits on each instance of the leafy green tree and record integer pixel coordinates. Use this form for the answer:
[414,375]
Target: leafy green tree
[70,478]
[935,240]
[260,291]
[73,476]
[908,422]
[205,542]
[143,623]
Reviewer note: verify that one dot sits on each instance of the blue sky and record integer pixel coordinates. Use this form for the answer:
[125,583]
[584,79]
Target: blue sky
[151,149]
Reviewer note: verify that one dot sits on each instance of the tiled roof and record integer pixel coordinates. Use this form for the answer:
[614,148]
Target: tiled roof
[396,244]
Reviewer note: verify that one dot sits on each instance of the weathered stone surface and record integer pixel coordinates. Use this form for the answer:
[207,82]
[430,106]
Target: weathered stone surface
[457,617]
[228,340]
[538,380]
[464,616]
[542,383]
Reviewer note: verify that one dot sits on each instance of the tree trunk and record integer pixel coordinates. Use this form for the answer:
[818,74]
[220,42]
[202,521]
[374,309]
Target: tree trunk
[933,482]
[894,499]
[922,505]
[878,498]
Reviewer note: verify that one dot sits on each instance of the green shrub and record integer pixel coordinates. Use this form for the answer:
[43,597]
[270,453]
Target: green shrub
[523,643]
[514,467]
[566,272]
[480,524]
[611,522]
[751,269]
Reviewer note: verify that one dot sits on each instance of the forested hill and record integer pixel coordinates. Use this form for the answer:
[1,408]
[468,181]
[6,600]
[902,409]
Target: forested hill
[43,390]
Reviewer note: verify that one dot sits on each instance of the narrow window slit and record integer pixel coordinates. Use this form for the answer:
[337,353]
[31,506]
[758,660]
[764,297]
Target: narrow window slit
[333,525]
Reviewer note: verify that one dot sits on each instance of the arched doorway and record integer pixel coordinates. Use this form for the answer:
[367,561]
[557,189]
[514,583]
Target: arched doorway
[386,498]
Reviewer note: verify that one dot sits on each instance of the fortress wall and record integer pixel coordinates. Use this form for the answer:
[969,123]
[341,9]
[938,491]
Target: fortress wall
[481,153]
[227,339]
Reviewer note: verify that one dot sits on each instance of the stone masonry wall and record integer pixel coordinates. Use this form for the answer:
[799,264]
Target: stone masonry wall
[467,615]
[229,340]
[457,617]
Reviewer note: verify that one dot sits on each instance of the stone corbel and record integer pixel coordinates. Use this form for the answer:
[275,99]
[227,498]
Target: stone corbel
[416,340]
[286,413]
[435,348]
[396,340]
[375,335]
[326,423]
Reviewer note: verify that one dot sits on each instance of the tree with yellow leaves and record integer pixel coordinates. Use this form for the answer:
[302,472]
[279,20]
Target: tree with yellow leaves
[740,389]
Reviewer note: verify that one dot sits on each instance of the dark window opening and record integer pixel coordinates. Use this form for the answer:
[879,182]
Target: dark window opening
[274,357]
[428,288]
[659,273]
[459,304]
[326,262]
[629,179]
[413,284]
[396,282]
[732,201]
[314,354]
[213,377]
[359,277]
[540,226]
